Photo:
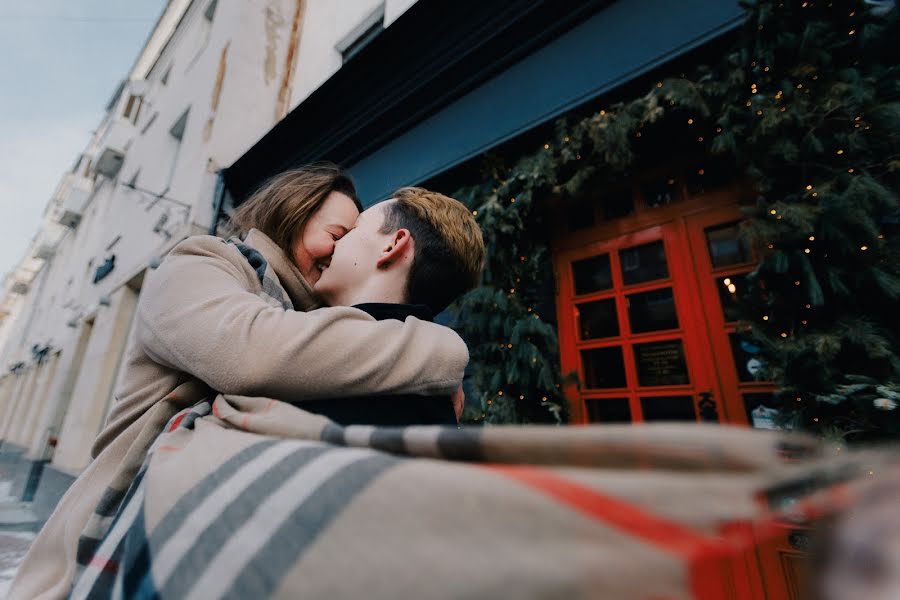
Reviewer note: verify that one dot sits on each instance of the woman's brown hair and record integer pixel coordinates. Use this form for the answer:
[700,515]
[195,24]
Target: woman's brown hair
[283,205]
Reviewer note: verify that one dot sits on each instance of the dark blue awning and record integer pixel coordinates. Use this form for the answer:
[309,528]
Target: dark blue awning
[617,44]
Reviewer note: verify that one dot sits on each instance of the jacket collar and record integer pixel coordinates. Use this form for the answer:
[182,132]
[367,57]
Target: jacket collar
[298,290]
[383,311]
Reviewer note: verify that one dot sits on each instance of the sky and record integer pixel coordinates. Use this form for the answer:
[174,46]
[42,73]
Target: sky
[60,63]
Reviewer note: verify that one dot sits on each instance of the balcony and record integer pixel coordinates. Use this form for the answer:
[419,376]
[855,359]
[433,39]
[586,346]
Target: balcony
[72,202]
[48,240]
[44,251]
[19,287]
[113,144]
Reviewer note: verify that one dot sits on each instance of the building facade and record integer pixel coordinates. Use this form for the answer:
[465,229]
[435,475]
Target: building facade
[226,94]
[211,80]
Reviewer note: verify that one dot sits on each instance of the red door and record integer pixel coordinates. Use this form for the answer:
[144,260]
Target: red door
[628,325]
[647,320]
[721,261]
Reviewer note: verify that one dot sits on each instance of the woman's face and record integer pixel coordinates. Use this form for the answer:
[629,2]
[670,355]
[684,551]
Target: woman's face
[314,246]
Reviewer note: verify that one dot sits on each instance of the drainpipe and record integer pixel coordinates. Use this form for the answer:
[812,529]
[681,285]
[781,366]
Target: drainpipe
[218,200]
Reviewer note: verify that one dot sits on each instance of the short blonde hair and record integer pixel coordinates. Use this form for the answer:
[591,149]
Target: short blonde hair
[449,247]
[283,205]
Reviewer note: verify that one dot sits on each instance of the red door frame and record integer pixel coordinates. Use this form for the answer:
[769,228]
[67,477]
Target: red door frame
[681,226]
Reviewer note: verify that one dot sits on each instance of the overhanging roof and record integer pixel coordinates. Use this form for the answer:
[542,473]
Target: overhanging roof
[449,80]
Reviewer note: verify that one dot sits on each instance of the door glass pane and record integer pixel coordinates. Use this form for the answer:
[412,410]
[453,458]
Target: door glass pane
[618,204]
[661,363]
[747,359]
[652,311]
[608,410]
[668,408]
[603,367]
[730,288]
[726,247]
[660,191]
[598,319]
[592,274]
[644,263]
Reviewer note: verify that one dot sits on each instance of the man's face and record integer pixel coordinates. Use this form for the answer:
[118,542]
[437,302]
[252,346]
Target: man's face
[355,258]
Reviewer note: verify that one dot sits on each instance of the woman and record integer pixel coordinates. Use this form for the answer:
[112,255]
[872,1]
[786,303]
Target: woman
[228,314]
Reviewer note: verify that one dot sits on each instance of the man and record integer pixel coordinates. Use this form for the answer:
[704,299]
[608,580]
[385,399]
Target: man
[411,255]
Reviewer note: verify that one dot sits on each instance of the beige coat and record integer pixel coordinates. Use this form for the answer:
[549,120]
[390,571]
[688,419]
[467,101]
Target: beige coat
[208,313]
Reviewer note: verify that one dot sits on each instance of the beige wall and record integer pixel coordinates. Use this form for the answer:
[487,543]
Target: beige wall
[14,406]
[16,433]
[94,386]
[7,383]
[44,381]
[59,393]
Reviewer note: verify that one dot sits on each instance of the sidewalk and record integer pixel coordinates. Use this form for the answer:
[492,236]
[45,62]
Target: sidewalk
[17,525]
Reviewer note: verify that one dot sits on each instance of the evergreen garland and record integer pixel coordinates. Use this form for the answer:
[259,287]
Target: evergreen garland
[807,108]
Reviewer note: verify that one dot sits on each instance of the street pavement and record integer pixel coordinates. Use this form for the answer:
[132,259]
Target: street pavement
[15,536]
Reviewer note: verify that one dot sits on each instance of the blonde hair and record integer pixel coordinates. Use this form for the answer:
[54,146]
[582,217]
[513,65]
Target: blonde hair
[449,247]
[283,205]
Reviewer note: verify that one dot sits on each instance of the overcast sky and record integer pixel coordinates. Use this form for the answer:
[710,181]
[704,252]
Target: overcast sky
[60,62]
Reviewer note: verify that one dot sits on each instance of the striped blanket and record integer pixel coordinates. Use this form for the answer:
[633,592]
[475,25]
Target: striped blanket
[253,498]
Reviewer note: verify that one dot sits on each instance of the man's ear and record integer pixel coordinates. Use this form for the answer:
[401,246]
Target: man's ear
[399,247]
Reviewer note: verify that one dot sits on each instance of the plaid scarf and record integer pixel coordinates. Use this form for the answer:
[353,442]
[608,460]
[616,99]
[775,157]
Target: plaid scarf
[250,497]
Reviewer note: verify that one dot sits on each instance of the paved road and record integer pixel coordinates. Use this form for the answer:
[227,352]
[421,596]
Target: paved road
[13,546]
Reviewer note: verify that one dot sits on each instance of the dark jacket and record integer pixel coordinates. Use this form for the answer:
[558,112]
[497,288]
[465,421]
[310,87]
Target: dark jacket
[393,410]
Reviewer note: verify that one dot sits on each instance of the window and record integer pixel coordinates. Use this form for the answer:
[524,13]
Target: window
[210,11]
[204,30]
[177,130]
[360,36]
[176,133]
[133,108]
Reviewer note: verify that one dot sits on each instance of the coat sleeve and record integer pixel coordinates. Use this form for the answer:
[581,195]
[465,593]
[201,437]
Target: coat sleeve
[197,315]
